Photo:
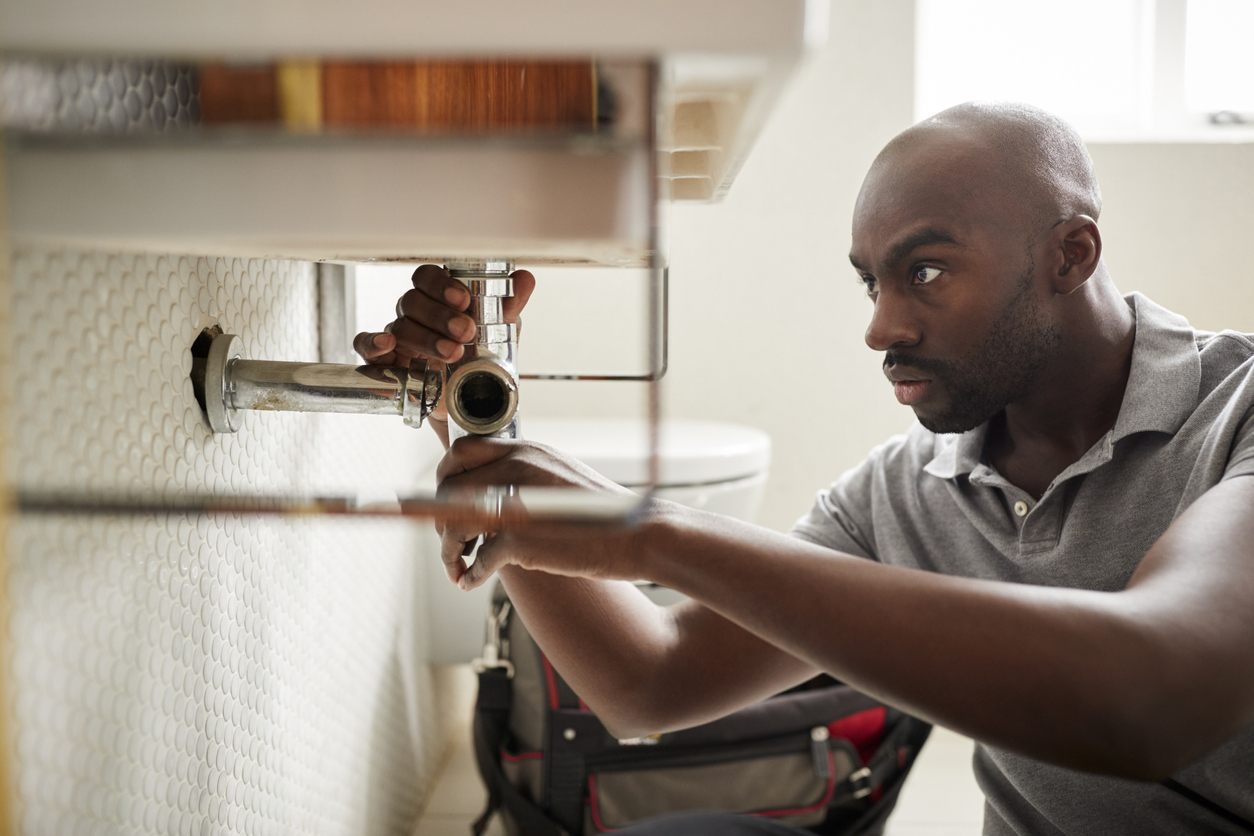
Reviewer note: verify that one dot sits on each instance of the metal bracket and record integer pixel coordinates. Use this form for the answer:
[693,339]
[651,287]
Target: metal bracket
[493,654]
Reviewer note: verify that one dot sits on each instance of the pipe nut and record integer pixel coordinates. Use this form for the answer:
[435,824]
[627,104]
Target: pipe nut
[421,392]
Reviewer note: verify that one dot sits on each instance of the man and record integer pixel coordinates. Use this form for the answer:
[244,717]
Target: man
[1058,560]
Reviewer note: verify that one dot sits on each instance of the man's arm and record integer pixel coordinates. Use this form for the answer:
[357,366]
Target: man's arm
[643,668]
[1135,683]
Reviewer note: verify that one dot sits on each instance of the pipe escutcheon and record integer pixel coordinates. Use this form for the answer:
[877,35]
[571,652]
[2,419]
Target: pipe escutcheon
[223,351]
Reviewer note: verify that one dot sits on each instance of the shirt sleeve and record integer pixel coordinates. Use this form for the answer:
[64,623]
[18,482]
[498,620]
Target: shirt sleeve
[1241,459]
[1238,411]
[841,518]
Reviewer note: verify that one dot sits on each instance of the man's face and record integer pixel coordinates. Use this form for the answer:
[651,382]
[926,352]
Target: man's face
[947,258]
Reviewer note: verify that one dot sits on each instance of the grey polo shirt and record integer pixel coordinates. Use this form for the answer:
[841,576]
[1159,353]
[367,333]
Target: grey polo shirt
[932,502]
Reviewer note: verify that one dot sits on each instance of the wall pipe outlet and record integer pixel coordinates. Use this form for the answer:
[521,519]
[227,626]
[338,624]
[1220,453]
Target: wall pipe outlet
[228,383]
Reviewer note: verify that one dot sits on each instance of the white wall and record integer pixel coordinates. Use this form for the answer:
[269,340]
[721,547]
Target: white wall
[1176,223]
[196,673]
[767,320]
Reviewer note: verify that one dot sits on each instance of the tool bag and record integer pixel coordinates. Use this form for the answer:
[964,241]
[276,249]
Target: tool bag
[821,756]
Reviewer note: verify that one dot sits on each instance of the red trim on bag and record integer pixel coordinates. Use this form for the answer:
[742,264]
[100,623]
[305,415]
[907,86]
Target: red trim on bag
[794,811]
[592,806]
[583,706]
[521,756]
[864,729]
[550,681]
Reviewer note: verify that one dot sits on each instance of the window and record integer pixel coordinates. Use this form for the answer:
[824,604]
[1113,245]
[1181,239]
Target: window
[1117,69]
[1219,57]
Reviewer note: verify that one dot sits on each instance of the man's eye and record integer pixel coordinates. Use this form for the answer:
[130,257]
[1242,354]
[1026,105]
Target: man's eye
[872,285]
[923,275]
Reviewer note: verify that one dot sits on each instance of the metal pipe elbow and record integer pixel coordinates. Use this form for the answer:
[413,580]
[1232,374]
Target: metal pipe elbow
[482,396]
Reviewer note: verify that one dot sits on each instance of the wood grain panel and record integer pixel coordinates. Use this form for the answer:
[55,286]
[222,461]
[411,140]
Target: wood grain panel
[426,96]
[489,95]
[358,93]
[239,94]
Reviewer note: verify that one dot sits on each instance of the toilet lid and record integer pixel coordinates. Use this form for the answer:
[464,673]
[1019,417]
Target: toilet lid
[691,452]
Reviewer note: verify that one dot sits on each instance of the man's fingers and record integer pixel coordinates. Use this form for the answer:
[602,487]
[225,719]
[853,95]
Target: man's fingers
[415,339]
[451,555]
[375,347]
[469,452]
[488,559]
[437,316]
[524,285]
[431,320]
[435,282]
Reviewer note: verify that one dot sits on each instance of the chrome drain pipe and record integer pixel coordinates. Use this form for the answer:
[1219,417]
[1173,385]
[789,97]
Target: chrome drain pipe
[226,382]
[482,387]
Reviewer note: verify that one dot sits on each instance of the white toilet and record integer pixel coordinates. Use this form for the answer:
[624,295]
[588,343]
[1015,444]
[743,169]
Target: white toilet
[708,465]
[704,464]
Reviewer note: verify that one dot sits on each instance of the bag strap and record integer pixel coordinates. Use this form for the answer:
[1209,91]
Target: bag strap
[889,765]
[1199,799]
[882,766]
[490,728]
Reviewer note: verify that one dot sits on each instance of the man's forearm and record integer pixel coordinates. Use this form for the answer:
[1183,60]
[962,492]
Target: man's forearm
[1052,673]
[606,638]
[646,669]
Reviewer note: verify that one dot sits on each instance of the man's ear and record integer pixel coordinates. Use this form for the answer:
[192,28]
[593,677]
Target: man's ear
[1078,254]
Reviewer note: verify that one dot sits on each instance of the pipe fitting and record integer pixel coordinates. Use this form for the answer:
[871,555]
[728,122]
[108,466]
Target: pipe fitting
[482,387]
[482,396]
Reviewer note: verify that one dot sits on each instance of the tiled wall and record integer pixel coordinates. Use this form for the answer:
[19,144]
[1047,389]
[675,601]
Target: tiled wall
[194,674]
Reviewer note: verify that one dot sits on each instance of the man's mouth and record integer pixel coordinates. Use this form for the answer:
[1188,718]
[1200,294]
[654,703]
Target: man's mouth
[909,386]
[910,392]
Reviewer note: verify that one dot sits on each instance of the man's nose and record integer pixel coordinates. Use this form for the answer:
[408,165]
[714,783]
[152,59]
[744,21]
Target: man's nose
[893,322]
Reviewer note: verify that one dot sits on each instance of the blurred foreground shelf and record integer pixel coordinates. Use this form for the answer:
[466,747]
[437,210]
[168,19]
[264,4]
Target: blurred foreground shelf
[119,135]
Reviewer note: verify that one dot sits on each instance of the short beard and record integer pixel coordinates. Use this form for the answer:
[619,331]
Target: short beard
[1000,370]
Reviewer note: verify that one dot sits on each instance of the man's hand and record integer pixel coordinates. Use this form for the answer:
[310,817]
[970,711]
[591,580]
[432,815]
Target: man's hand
[578,551]
[431,322]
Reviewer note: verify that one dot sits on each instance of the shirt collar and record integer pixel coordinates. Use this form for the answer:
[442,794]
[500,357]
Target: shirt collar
[1162,389]
[1166,373]
[958,454]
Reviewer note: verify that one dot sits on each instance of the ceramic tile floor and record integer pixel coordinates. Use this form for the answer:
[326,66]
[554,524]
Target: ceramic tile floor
[940,797]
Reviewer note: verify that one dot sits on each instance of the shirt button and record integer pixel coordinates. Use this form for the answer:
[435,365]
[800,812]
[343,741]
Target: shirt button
[1021,508]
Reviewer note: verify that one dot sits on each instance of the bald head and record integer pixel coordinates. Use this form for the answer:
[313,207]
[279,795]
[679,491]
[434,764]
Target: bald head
[975,234]
[1022,157]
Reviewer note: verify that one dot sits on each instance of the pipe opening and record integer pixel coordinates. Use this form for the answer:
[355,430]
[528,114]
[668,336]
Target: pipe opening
[483,397]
